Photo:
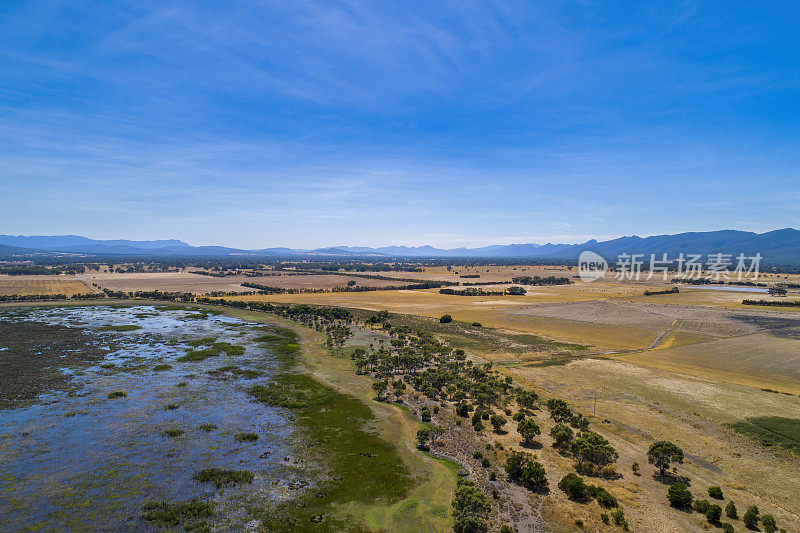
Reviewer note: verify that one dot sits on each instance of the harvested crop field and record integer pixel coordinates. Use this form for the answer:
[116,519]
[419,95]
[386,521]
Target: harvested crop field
[25,285]
[198,284]
[761,360]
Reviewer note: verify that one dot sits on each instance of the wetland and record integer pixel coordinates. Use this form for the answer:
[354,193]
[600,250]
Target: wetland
[148,417]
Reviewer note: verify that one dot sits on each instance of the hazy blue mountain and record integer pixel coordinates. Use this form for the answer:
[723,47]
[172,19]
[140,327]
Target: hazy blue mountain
[779,246]
[11,251]
[775,246]
[62,242]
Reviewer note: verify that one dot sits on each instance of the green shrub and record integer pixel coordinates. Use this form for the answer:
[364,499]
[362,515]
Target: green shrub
[731,512]
[605,518]
[768,523]
[716,493]
[574,487]
[679,496]
[605,498]
[445,319]
[619,519]
[701,506]
[726,527]
[751,517]
[713,513]
[522,467]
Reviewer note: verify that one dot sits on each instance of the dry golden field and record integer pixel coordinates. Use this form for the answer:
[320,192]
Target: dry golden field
[636,406]
[27,285]
[187,282]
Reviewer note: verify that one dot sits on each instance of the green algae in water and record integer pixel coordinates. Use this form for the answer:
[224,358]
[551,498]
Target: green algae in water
[246,437]
[205,341]
[117,394]
[193,514]
[228,348]
[207,428]
[268,338]
[223,477]
[337,437]
[161,367]
[291,391]
[173,432]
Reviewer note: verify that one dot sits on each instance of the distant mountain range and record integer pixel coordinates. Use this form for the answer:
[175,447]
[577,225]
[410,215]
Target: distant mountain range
[777,247]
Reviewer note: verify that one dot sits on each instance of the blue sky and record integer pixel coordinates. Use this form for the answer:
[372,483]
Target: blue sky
[307,123]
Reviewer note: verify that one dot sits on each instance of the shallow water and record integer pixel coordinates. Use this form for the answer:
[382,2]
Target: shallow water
[731,288]
[75,459]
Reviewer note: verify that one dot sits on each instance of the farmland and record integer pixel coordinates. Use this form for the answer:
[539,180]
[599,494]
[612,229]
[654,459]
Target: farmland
[26,285]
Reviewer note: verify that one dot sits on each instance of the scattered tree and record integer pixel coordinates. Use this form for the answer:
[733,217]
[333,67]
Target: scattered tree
[731,512]
[562,435]
[751,517]
[528,429]
[423,436]
[522,467]
[716,493]
[380,388]
[498,421]
[471,508]
[662,453]
[592,449]
[445,319]
[527,399]
[768,523]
